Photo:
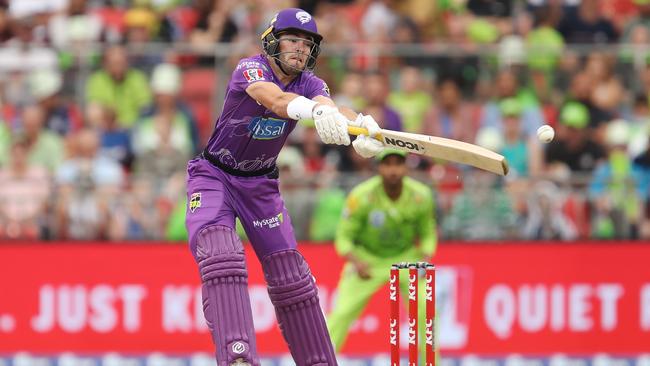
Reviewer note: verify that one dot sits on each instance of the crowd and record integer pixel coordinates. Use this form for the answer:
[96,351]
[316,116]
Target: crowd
[103,102]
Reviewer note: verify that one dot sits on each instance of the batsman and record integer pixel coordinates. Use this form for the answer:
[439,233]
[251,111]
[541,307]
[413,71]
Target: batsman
[387,219]
[236,176]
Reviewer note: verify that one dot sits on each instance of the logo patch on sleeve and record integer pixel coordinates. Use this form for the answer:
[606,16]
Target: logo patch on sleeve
[195,201]
[326,89]
[253,75]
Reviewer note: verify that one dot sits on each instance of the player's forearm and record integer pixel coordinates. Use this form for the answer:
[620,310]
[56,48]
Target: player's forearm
[428,245]
[279,104]
[348,113]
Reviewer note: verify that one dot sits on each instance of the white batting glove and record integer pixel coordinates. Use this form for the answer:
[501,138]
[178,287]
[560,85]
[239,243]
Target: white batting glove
[367,146]
[331,125]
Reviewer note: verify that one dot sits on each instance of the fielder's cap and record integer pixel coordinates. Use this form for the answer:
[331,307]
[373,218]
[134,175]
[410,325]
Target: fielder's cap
[510,107]
[388,152]
[575,115]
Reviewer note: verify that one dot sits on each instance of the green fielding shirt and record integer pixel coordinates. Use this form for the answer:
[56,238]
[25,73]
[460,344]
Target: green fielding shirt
[382,227]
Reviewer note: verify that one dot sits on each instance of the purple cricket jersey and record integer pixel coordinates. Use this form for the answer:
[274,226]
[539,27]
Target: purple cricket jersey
[247,139]
[247,136]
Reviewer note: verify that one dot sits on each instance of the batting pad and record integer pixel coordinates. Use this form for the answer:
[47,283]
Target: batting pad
[226,303]
[293,293]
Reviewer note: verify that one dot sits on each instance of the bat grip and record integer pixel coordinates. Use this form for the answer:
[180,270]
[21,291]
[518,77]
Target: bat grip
[356,131]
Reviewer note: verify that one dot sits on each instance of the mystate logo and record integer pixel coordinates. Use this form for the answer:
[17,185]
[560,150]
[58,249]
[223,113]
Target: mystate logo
[270,222]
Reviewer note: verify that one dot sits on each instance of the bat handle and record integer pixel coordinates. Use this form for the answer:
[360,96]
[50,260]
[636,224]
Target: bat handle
[356,131]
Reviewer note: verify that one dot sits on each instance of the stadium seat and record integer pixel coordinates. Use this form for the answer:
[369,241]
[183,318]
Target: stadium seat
[198,92]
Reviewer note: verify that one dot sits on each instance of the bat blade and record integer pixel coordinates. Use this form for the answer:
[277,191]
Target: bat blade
[441,148]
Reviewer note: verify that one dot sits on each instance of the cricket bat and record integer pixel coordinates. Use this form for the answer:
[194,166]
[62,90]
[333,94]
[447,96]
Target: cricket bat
[440,148]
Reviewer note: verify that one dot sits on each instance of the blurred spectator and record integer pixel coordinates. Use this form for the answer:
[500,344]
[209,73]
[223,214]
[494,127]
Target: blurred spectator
[134,214]
[378,21]
[490,8]
[214,23]
[313,152]
[482,211]
[19,56]
[115,141]
[88,183]
[545,219]
[296,185]
[607,90]
[175,229]
[141,26]
[572,145]
[420,20]
[375,97]
[119,86]
[76,28]
[545,43]
[581,90]
[351,91]
[462,66]
[24,196]
[166,81]
[162,148]
[586,24]
[410,100]
[641,19]
[23,8]
[507,85]
[61,116]
[451,116]
[45,148]
[24,53]
[617,189]
[642,165]
[6,32]
[522,152]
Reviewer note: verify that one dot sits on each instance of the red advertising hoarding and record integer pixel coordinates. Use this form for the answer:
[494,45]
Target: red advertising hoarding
[492,299]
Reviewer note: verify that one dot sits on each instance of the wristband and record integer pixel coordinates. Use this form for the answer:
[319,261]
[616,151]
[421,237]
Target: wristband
[300,108]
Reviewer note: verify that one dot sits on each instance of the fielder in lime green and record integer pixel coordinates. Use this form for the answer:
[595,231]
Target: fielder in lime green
[387,219]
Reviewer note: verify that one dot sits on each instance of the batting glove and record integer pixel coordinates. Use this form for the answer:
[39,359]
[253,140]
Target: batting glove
[331,125]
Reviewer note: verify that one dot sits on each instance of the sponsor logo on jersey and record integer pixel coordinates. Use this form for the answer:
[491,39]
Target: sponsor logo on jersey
[253,75]
[195,201]
[269,222]
[377,218]
[266,128]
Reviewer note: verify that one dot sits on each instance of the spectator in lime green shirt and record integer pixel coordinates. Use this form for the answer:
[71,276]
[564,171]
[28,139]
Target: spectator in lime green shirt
[119,86]
[45,148]
[410,101]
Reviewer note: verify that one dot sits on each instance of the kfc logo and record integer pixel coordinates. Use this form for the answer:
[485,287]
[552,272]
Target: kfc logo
[253,75]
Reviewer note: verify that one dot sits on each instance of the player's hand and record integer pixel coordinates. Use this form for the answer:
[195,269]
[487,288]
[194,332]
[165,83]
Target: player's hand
[331,125]
[362,268]
[367,146]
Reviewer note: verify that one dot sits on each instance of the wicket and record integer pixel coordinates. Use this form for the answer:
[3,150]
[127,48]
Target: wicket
[430,290]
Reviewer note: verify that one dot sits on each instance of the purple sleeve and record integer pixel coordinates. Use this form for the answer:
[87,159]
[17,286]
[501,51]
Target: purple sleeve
[316,86]
[248,71]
